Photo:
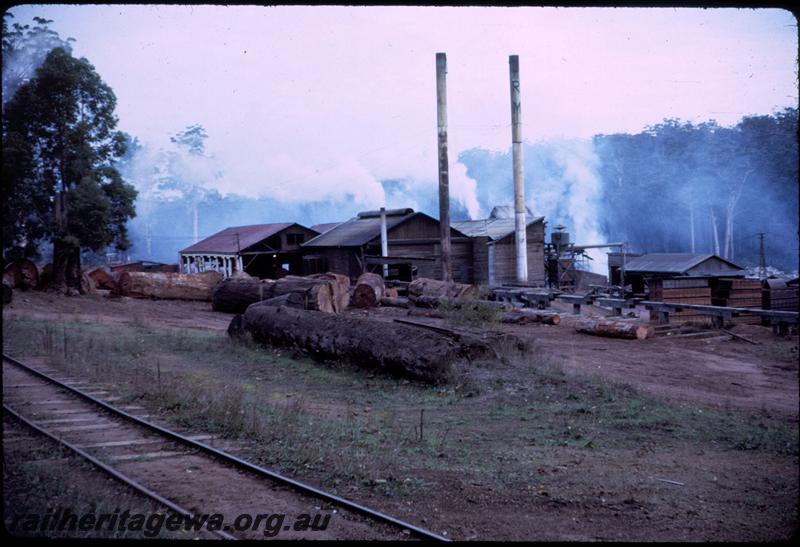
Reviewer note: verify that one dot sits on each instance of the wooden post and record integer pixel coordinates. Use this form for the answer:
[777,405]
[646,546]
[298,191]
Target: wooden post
[520,224]
[384,242]
[490,265]
[444,181]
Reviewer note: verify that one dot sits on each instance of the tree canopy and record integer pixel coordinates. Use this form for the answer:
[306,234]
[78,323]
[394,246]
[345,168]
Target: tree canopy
[60,148]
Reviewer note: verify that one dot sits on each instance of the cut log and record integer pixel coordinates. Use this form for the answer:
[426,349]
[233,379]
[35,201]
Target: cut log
[396,302]
[391,292]
[103,278]
[403,349]
[236,293]
[340,285]
[523,317]
[21,274]
[424,286]
[8,293]
[169,286]
[424,301]
[87,284]
[368,291]
[291,300]
[317,293]
[615,329]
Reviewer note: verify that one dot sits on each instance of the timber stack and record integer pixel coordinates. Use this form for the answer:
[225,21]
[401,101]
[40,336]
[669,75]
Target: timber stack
[169,286]
[368,291]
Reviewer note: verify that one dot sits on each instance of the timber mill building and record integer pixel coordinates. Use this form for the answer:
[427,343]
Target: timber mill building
[261,250]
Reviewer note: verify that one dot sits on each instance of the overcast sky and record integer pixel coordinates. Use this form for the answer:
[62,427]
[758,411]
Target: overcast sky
[347,94]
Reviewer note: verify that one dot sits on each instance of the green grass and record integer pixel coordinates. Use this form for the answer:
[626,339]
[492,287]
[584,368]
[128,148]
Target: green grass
[357,427]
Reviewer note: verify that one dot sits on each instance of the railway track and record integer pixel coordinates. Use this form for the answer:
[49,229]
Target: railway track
[183,473]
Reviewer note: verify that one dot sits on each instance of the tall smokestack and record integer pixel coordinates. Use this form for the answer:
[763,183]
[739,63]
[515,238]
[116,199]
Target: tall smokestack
[384,242]
[444,182]
[519,182]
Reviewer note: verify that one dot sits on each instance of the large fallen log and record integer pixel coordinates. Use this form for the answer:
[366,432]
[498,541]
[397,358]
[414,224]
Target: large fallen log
[168,285]
[614,329]
[396,302]
[424,286]
[318,294]
[21,274]
[340,287]
[103,278]
[524,316]
[368,290]
[236,293]
[290,299]
[402,349]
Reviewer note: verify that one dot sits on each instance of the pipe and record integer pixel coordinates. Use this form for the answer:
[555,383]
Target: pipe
[444,180]
[384,242]
[520,224]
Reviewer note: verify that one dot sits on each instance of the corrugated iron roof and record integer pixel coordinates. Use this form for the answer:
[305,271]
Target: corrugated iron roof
[679,263]
[493,228]
[357,231]
[225,241]
[324,227]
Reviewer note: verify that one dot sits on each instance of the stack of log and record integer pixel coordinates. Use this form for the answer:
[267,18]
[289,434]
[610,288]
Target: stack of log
[170,286]
[104,279]
[402,349]
[321,292]
[368,290]
[425,287]
[21,274]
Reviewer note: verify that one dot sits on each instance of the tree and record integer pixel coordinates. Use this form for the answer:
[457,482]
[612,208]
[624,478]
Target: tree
[24,49]
[60,148]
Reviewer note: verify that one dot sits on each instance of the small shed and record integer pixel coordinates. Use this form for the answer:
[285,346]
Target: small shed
[261,250]
[494,248]
[354,247]
[643,270]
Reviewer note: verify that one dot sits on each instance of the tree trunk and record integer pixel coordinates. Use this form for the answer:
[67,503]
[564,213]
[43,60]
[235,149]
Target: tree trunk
[8,293]
[433,287]
[523,317]
[340,285]
[170,286]
[431,357]
[66,266]
[615,329]
[236,293]
[317,293]
[714,232]
[368,291]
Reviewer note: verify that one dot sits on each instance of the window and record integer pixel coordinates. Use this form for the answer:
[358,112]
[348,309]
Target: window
[294,239]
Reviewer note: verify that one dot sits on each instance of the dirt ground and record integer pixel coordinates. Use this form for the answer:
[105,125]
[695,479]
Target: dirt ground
[662,488]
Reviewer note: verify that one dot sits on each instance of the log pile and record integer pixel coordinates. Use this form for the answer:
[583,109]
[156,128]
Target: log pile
[104,279]
[368,291]
[614,329]
[236,293]
[433,287]
[340,288]
[170,286]
[396,302]
[402,349]
[318,294]
[21,274]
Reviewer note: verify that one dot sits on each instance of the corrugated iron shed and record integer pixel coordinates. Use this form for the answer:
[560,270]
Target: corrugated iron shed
[493,228]
[678,263]
[226,241]
[360,230]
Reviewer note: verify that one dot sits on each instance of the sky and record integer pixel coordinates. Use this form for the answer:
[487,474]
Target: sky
[302,100]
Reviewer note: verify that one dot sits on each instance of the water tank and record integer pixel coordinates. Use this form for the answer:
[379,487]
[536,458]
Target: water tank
[559,239]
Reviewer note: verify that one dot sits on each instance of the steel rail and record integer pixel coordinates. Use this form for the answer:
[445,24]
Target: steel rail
[115,474]
[238,462]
